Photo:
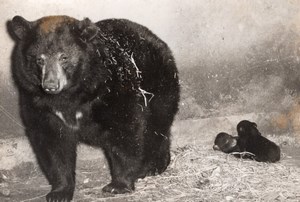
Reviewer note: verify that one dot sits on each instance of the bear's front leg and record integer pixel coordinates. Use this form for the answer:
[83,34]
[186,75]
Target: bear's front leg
[56,154]
[124,155]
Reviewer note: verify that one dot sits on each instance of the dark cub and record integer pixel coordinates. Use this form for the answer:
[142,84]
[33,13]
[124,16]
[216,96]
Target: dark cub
[251,140]
[226,143]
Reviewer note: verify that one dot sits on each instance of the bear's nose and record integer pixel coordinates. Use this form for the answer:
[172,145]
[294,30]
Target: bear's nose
[216,147]
[51,86]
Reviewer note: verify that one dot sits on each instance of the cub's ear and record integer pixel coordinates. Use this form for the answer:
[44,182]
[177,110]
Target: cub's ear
[18,27]
[87,30]
[241,129]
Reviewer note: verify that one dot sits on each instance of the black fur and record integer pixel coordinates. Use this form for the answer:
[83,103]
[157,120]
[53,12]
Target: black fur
[251,140]
[107,101]
[226,143]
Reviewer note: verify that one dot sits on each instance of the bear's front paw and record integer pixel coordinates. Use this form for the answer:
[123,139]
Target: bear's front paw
[118,188]
[59,196]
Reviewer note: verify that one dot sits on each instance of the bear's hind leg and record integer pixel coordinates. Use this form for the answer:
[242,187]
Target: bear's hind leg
[157,152]
[57,158]
[163,157]
[125,163]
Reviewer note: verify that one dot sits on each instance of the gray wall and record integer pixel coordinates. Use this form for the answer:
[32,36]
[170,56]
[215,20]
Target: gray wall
[234,56]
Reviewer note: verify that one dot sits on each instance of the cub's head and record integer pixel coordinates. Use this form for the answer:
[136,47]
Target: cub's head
[51,53]
[225,142]
[247,129]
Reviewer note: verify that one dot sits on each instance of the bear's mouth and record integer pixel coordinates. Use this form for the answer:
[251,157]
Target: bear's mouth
[54,87]
[51,88]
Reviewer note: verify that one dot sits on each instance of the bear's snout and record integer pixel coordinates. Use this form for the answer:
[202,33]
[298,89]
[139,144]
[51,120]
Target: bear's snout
[53,79]
[51,86]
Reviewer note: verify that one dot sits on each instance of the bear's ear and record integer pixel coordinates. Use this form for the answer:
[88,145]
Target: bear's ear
[240,129]
[19,27]
[87,30]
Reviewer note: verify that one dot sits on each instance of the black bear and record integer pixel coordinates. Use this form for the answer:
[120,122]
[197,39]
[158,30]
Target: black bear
[111,84]
[251,140]
[231,145]
[226,143]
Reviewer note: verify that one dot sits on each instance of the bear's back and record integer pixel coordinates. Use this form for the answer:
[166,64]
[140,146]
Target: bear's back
[151,55]
[124,29]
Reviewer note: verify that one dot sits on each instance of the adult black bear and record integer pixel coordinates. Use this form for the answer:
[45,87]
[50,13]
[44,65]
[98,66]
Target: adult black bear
[111,84]
[251,140]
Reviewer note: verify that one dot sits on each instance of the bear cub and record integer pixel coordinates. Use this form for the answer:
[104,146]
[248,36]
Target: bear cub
[111,84]
[226,143]
[249,140]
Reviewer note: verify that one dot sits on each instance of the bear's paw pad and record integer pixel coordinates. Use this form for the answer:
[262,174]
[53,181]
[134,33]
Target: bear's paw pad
[117,188]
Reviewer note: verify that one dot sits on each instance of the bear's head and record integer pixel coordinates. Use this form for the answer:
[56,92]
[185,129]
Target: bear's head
[51,54]
[225,142]
[247,129]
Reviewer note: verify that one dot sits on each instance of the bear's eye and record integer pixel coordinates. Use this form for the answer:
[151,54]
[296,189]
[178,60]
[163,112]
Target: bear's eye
[63,58]
[40,61]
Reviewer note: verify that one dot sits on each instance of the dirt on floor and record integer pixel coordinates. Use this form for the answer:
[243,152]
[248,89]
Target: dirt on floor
[196,173]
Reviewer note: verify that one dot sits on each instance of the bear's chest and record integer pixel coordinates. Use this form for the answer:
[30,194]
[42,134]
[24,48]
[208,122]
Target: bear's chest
[74,118]
[71,121]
